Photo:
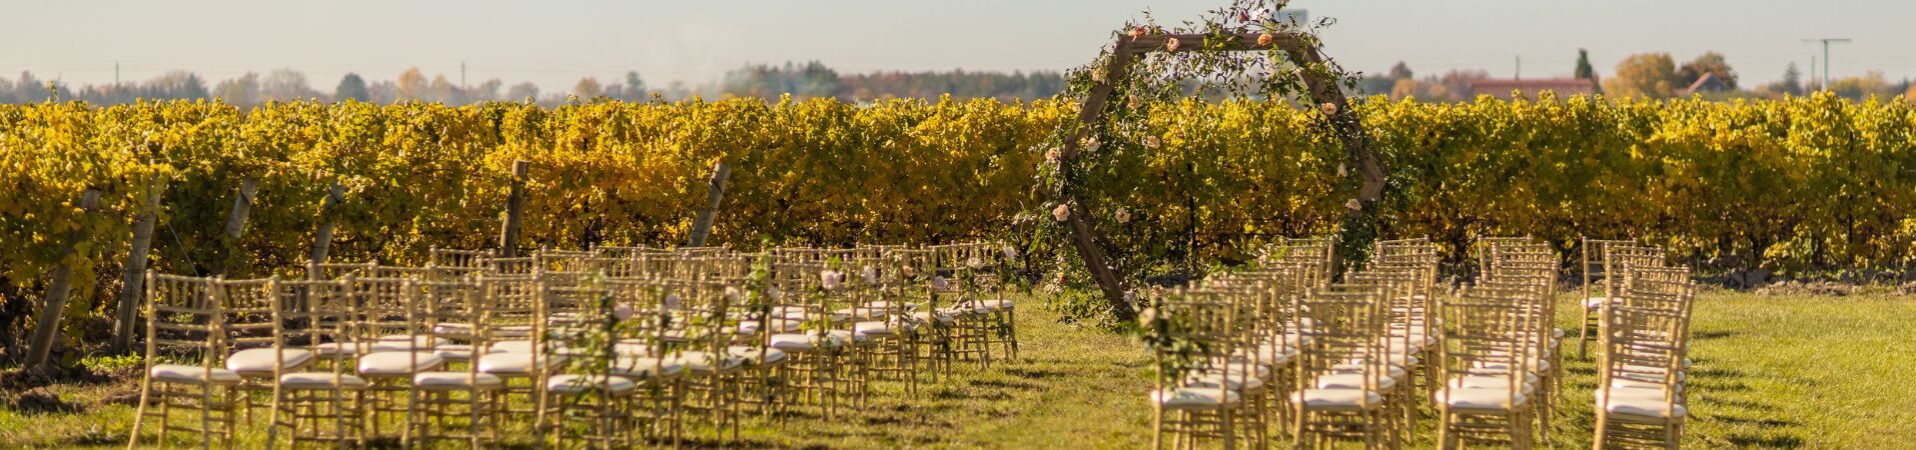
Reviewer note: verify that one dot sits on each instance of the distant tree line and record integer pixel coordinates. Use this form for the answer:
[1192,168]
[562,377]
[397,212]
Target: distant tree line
[1650,75]
[811,79]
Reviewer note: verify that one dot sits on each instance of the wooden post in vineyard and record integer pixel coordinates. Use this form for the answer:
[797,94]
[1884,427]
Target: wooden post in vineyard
[236,225]
[1300,48]
[133,274]
[46,331]
[702,228]
[323,237]
[515,202]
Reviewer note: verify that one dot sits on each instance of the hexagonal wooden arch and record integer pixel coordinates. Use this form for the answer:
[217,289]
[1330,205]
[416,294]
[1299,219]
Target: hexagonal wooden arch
[1322,86]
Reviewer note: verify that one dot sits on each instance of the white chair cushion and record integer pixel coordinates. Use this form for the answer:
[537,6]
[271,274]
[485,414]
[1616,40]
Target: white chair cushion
[944,316]
[1270,354]
[402,343]
[394,364]
[778,326]
[511,347]
[1353,381]
[322,380]
[994,305]
[1395,370]
[702,362]
[1211,379]
[750,354]
[640,367]
[875,328]
[459,352]
[513,363]
[453,329]
[1595,302]
[259,361]
[1196,398]
[177,373]
[805,343]
[1493,381]
[1639,406]
[579,384]
[444,381]
[1477,400]
[1337,399]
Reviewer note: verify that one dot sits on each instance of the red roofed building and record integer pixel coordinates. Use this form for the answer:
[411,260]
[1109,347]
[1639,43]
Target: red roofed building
[1564,87]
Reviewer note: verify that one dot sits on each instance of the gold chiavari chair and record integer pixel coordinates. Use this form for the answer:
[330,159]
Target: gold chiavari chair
[183,318]
[454,403]
[1347,327]
[959,268]
[253,348]
[583,400]
[393,347]
[1615,261]
[1191,333]
[715,375]
[515,314]
[1489,388]
[644,356]
[1635,406]
[323,403]
[816,352]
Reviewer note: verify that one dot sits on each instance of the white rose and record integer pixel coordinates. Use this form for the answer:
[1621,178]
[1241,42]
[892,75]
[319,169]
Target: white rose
[828,279]
[1062,212]
[1124,215]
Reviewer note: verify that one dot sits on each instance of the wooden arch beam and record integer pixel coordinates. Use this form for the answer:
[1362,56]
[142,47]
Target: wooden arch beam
[1321,84]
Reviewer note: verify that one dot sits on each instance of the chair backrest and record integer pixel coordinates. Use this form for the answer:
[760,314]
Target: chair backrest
[1488,332]
[511,266]
[1346,324]
[385,309]
[249,308]
[315,313]
[183,317]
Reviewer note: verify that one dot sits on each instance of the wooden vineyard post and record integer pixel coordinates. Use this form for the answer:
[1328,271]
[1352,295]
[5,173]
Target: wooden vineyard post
[1323,86]
[236,225]
[132,278]
[46,331]
[515,203]
[323,237]
[702,228]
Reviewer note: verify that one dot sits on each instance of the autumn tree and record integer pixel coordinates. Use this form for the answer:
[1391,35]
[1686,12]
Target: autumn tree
[522,92]
[351,87]
[587,88]
[412,85]
[1711,63]
[1651,75]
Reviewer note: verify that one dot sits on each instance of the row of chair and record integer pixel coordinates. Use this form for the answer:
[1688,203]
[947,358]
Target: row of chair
[1281,351]
[597,348]
[1642,326]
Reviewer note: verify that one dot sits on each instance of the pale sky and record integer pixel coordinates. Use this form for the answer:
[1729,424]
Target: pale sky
[554,43]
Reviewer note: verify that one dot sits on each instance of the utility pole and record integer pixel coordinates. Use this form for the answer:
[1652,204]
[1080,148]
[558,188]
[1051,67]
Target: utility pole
[462,74]
[116,73]
[1519,75]
[1826,56]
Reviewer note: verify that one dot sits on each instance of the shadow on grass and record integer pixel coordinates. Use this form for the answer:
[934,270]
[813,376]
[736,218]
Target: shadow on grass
[1748,440]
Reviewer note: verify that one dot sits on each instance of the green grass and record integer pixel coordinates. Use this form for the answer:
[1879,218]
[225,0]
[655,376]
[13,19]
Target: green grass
[1821,372]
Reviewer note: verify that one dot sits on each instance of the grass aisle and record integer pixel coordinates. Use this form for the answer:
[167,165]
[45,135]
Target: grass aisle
[1771,372]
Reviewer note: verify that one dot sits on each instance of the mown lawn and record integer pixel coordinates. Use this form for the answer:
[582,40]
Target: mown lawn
[1772,372]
